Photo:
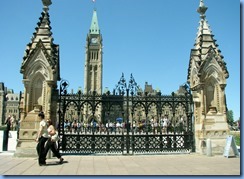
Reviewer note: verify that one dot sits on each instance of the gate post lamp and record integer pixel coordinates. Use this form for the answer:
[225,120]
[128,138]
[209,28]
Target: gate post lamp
[62,93]
[63,87]
[79,107]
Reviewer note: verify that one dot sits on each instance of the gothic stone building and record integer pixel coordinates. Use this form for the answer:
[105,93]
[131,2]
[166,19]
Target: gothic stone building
[9,105]
[207,76]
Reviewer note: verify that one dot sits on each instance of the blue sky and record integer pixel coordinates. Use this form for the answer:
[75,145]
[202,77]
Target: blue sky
[151,39]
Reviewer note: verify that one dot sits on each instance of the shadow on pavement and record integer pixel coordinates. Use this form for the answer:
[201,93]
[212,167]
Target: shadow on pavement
[55,163]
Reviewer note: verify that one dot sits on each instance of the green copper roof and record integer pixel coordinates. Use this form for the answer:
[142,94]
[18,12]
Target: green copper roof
[94,29]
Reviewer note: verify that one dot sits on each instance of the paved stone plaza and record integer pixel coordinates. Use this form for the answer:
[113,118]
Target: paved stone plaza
[168,164]
[175,164]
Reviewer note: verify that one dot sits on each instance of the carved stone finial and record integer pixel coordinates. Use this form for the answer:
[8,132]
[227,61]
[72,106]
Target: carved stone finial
[46,2]
[202,9]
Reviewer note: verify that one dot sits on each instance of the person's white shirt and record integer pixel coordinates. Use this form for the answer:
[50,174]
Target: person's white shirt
[117,124]
[165,122]
[43,124]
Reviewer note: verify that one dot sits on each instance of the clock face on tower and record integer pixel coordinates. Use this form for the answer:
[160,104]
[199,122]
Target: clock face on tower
[94,40]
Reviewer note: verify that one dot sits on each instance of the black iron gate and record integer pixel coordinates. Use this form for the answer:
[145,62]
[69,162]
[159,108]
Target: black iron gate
[126,121]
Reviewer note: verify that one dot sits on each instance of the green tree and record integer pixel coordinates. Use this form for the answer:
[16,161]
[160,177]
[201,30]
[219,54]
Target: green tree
[230,118]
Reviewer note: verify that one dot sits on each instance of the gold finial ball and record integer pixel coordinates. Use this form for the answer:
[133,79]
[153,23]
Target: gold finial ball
[46,2]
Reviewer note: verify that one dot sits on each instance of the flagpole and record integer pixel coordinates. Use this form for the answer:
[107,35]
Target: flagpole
[94,2]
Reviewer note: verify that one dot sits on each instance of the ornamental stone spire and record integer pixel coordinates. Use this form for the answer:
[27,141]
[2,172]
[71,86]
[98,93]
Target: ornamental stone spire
[207,74]
[42,38]
[40,69]
[205,40]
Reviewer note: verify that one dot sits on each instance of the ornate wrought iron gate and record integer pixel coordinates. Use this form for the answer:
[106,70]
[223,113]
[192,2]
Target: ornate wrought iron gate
[140,118]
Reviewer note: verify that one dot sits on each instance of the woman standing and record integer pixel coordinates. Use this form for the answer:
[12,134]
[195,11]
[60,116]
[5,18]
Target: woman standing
[42,137]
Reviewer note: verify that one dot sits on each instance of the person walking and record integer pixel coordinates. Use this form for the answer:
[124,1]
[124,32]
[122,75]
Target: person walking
[8,123]
[165,124]
[42,137]
[51,142]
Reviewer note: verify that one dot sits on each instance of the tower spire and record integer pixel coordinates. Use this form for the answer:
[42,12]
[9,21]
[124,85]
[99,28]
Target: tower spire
[42,39]
[94,29]
[42,31]
[205,42]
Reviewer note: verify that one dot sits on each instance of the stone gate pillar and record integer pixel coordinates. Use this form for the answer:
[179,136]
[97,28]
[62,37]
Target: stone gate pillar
[40,69]
[207,74]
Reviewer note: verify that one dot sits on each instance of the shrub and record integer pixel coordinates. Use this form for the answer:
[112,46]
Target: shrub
[237,137]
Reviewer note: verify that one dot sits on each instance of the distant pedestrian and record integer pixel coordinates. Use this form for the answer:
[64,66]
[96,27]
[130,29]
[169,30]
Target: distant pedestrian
[165,124]
[18,127]
[13,123]
[8,123]
[66,126]
[75,125]
[42,137]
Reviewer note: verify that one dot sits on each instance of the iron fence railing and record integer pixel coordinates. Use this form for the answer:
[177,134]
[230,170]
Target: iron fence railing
[125,121]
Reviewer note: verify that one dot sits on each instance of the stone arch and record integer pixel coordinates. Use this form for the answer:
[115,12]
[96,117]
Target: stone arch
[211,86]
[92,119]
[39,64]
[37,92]
[212,69]
[212,78]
